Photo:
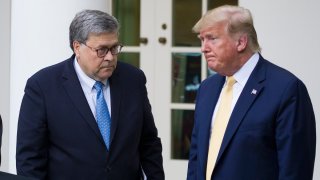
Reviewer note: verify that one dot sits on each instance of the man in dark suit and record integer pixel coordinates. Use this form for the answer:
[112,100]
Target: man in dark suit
[4,175]
[59,130]
[0,137]
[269,133]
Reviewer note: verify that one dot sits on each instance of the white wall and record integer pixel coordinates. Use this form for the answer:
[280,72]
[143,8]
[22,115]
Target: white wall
[288,31]
[4,77]
[39,37]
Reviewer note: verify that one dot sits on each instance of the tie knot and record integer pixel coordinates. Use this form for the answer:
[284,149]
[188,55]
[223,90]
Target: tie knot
[98,85]
[230,81]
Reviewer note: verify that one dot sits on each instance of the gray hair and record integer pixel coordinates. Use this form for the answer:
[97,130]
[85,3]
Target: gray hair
[238,19]
[87,22]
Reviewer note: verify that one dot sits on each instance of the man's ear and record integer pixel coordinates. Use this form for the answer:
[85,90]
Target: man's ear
[242,42]
[76,46]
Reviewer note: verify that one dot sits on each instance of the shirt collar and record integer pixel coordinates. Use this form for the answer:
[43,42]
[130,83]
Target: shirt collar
[86,82]
[243,74]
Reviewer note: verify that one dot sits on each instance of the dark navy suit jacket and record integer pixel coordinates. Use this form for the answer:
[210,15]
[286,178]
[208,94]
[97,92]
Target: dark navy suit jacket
[58,137]
[0,136]
[271,132]
[8,176]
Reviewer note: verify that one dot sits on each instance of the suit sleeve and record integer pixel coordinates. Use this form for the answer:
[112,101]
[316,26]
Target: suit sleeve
[0,137]
[150,145]
[31,152]
[296,134]
[193,156]
[192,164]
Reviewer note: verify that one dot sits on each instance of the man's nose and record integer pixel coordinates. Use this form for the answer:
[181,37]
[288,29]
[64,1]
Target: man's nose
[204,46]
[108,56]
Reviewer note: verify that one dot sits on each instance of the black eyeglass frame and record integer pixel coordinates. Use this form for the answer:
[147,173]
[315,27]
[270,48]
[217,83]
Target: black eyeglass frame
[102,52]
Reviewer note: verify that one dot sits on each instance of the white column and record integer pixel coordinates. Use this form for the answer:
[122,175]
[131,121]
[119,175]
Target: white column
[39,38]
[4,75]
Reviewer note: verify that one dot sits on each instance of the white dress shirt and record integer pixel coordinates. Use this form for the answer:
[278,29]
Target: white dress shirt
[89,91]
[241,76]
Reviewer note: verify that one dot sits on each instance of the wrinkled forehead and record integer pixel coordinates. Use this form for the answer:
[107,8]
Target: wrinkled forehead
[211,29]
[104,39]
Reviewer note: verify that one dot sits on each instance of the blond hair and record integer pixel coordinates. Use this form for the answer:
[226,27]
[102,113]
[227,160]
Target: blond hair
[238,19]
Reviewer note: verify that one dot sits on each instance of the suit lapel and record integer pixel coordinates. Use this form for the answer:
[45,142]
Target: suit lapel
[251,91]
[115,91]
[206,107]
[74,90]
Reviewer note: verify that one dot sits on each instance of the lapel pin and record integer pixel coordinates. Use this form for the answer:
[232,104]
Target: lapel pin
[254,91]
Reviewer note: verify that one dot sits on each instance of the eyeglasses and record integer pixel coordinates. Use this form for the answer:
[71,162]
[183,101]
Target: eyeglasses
[102,52]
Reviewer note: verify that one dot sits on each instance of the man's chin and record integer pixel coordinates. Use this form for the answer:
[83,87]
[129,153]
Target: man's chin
[102,76]
[212,65]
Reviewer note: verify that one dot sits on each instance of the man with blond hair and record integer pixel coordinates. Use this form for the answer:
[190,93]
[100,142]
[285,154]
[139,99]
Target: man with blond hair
[253,119]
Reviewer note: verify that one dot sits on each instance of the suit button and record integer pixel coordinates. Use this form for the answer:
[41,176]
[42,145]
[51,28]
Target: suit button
[108,169]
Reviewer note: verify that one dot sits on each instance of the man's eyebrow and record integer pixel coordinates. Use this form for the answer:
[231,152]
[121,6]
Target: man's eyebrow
[205,36]
[108,46]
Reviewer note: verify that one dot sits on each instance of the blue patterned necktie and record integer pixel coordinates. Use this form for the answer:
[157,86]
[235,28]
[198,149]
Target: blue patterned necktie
[102,114]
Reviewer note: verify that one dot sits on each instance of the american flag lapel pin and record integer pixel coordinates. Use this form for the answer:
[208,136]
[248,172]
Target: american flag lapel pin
[254,91]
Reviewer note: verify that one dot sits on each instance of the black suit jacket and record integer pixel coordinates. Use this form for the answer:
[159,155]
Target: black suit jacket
[7,176]
[0,137]
[58,137]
